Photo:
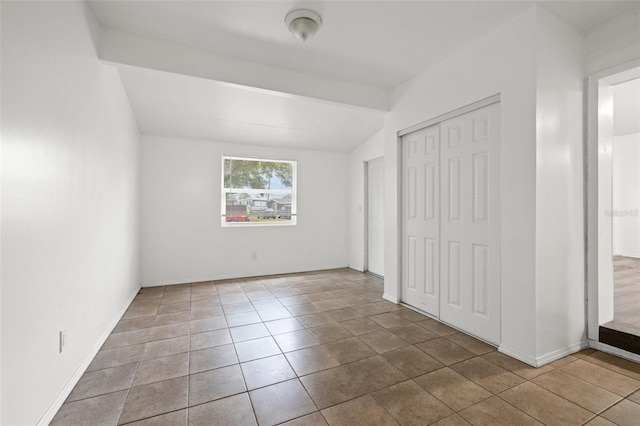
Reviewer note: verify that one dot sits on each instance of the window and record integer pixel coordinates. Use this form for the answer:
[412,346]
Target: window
[258,192]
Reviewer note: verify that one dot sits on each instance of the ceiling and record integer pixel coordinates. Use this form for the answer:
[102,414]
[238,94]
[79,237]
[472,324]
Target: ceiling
[197,108]
[362,45]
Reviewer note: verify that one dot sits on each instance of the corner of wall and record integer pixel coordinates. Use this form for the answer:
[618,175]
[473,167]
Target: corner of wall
[93,25]
[613,43]
[48,416]
[539,361]
[559,209]
[561,352]
[391,299]
[70,203]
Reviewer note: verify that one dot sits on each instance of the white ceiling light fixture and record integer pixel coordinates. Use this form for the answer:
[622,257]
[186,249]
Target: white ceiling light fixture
[303,23]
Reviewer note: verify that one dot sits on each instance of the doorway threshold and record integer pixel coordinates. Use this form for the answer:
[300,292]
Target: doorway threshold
[621,335]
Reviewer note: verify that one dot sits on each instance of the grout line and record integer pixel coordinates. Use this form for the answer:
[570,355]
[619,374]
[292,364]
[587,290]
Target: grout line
[133,377]
[152,417]
[526,414]
[189,371]
[362,286]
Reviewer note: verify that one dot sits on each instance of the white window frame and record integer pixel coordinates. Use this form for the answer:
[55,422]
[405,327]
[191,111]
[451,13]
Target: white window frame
[224,191]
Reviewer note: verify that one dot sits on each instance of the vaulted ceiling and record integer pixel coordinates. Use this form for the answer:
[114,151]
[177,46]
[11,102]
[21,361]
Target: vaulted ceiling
[230,70]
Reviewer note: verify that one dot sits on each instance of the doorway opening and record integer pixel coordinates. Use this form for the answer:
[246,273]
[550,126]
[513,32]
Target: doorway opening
[374,217]
[613,234]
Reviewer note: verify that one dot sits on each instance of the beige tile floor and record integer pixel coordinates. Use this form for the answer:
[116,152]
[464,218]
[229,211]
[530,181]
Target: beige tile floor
[324,348]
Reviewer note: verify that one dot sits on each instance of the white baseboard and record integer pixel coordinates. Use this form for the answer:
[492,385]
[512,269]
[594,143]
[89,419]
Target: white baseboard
[561,353]
[517,355]
[390,298]
[73,381]
[252,274]
[544,359]
[603,347]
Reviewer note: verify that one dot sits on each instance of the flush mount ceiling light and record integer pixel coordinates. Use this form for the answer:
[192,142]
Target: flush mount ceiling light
[303,23]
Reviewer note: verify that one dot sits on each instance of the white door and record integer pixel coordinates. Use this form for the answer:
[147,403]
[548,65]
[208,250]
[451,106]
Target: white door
[375,216]
[421,217]
[451,221]
[470,225]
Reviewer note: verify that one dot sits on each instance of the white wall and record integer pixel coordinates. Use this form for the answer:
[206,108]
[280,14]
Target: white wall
[500,62]
[626,195]
[612,52]
[613,43]
[560,291]
[182,239]
[535,63]
[626,168]
[371,149]
[70,249]
[626,107]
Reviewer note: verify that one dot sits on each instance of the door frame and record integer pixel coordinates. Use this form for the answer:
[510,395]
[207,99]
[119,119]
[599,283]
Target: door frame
[599,303]
[424,124]
[365,260]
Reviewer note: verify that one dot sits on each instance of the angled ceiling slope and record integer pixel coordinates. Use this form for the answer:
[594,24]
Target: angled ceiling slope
[180,106]
[363,50]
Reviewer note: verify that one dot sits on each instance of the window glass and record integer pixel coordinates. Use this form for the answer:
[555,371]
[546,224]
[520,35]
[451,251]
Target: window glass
[258,192]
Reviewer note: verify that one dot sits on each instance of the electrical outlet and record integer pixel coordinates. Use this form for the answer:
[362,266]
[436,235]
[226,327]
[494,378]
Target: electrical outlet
[62,339]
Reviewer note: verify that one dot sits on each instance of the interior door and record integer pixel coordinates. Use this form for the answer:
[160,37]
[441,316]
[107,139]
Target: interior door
[470,225]
[421,217]
[375,216]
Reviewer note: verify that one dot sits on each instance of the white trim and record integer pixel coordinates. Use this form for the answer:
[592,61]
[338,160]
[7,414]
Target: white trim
[518,355]
[73,381]
[187,280]
[365,218]
[390,298]
[451,114]
[291,222]
[603,347]
[365,258]
[561,353]
[293,192]
[547,358]
[233,157]
[591,194]
[624,76]
[399,222]
[178,282]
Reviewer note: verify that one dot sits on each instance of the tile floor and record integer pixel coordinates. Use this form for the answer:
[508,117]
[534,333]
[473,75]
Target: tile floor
[324,348]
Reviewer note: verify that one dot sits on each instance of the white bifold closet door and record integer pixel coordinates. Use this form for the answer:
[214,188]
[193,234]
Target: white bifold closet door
[421,219]
[451,221]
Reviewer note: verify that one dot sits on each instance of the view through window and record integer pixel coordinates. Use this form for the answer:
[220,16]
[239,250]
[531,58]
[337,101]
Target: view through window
[258,192]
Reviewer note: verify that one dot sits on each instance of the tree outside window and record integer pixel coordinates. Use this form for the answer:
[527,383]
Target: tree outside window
[258,192]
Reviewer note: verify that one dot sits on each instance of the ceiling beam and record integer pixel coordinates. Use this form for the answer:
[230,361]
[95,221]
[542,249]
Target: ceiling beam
[118,47]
